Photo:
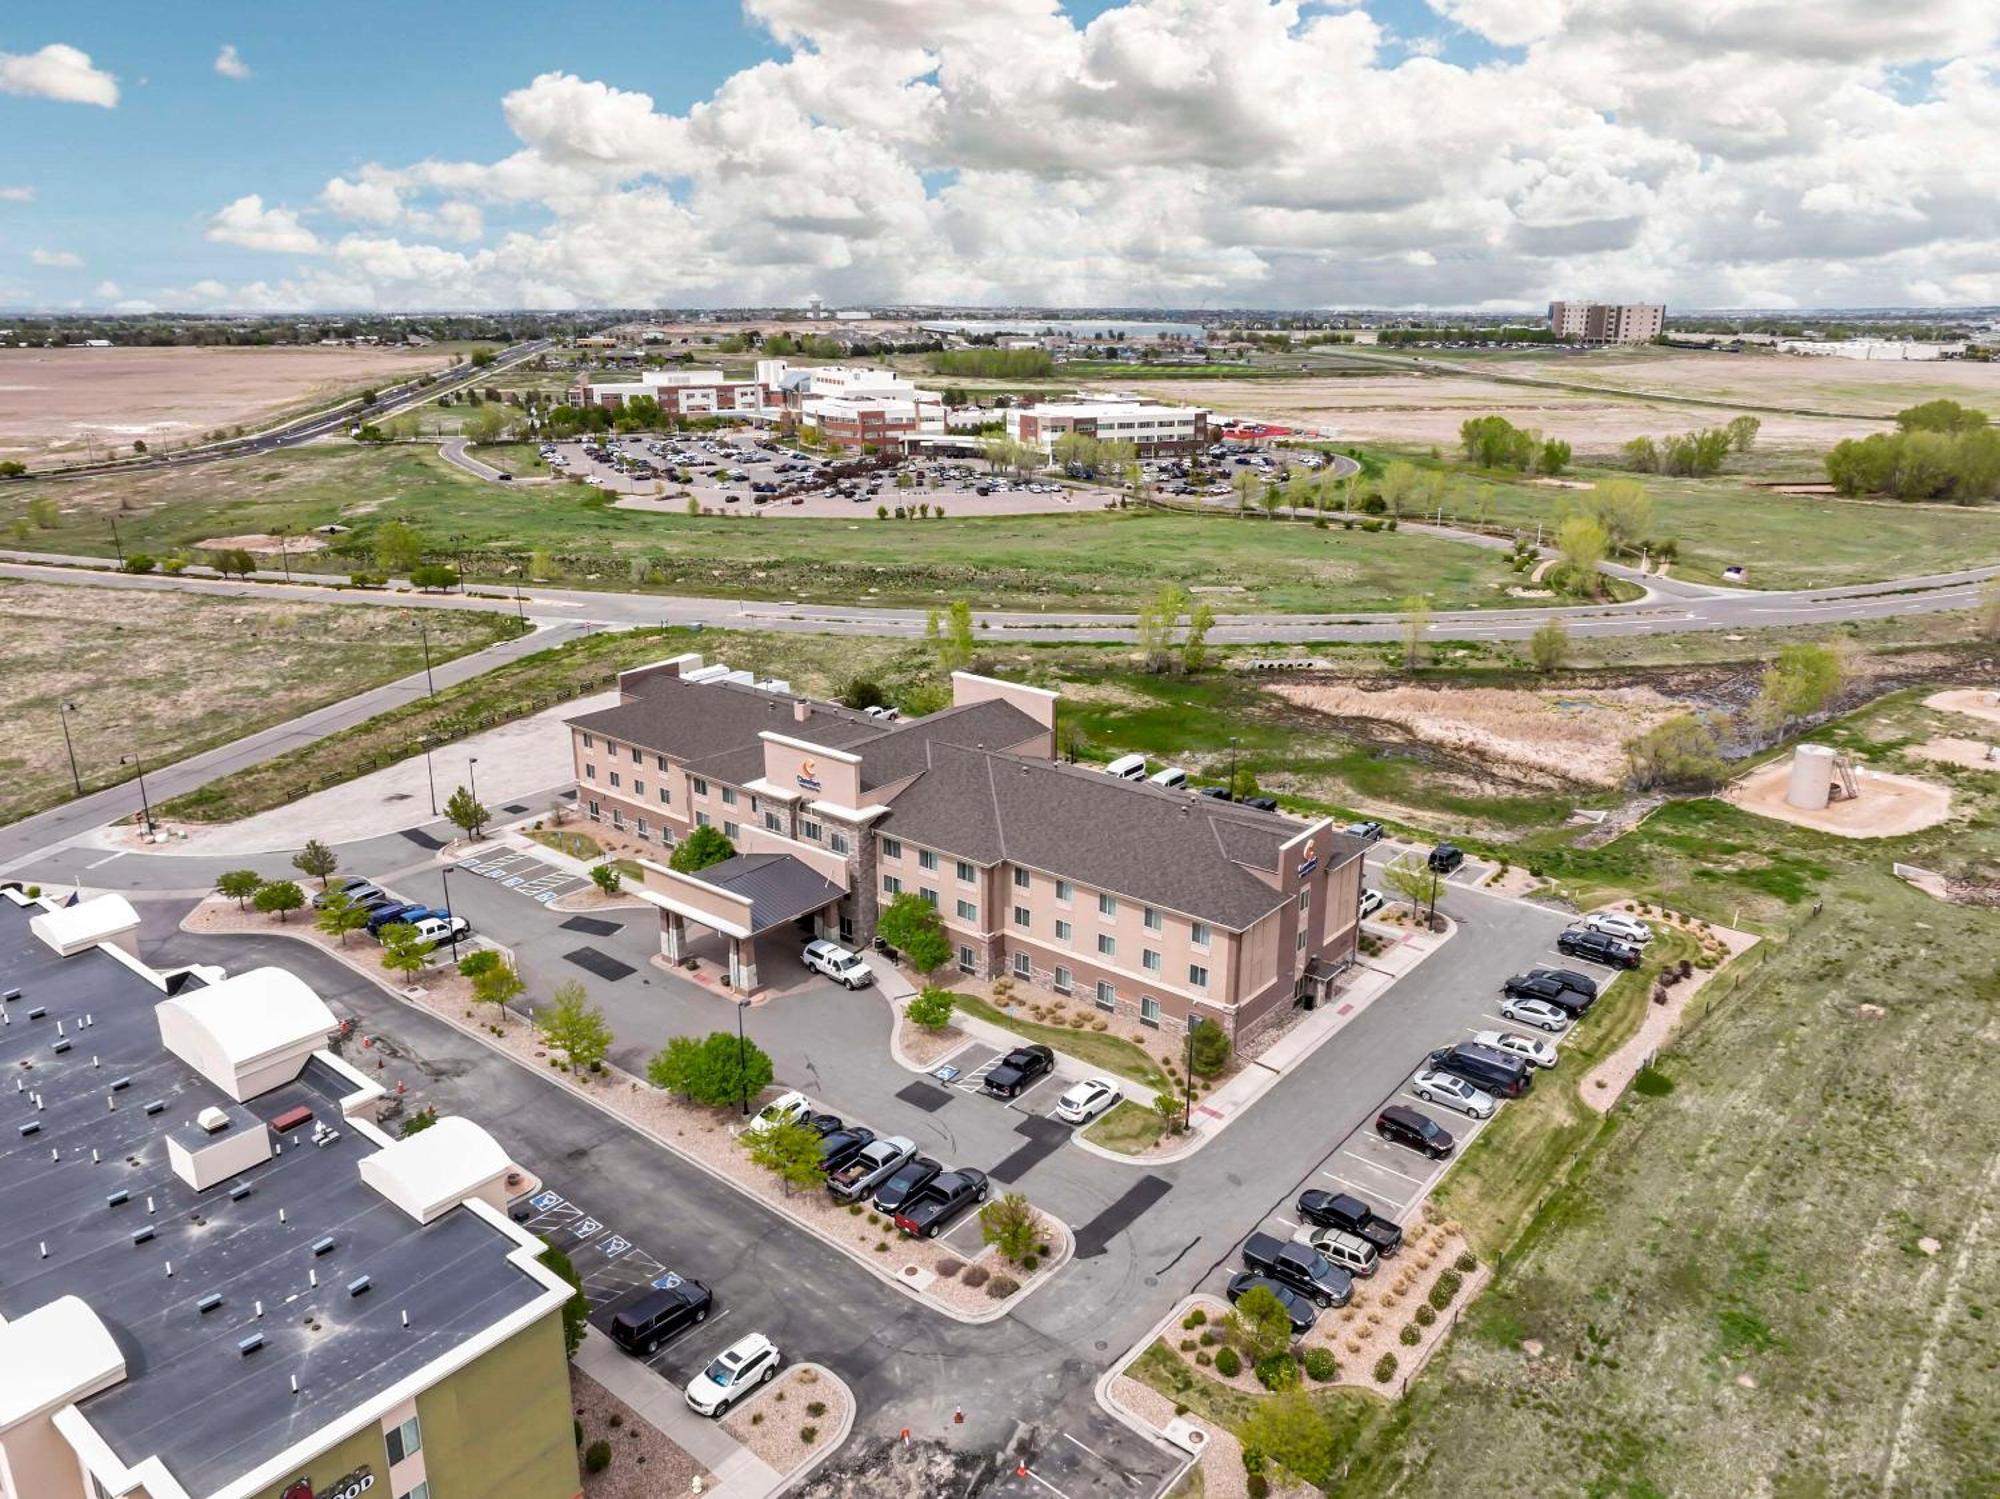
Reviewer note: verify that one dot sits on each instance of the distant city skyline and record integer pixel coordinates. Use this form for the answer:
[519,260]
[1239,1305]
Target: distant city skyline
[1474,155]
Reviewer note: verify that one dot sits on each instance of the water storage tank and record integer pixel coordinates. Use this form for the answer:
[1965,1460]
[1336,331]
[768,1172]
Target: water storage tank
[1812,777]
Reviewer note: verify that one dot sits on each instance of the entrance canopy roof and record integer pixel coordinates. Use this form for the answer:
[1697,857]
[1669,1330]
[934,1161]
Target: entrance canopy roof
[779,888]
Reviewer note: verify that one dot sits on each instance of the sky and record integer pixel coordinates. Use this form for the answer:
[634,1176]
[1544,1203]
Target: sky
[1479,154]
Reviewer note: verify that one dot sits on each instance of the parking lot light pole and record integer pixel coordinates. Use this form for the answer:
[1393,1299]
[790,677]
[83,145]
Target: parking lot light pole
[63,711]
[742,1071]
[1187,1098]
[425,630]
[472,776]
[145,805]
[429,774]
[451,926]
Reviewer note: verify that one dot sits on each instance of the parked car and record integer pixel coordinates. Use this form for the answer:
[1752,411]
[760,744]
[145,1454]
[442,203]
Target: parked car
[1367,832]
[1018,1069]
[1498,1073]
[842,1146]
[1576,983]
[440,929]
[1086,1100]
[905,1182]
[1618,924]
[407,912]
[1305,1270]
[942,1199]
[1446,857]
[1350,1214]
[1350,1252]
[1407,1127]
[1433,1086]
[876,1163]
[1528,1048]
[787,1108]
[838,964]
[823,1124]
[1301,1311]
[1372,901]
[354,889]
[1127,768]
[1219,793]
[1534,984]
[661,1315]
[1261,803]
[741,1367]
[1539,1012]
[1597,947]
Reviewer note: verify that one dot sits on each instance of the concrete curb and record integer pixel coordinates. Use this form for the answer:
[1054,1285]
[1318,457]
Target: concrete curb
[1136,1423]
[1034,1283]
[805,1470]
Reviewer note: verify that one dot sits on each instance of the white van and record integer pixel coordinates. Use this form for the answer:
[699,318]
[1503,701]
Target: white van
[1173,778]
[1127,768]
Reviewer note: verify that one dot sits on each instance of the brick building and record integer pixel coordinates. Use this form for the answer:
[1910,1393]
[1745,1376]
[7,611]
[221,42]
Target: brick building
[680,392]
[1152,428]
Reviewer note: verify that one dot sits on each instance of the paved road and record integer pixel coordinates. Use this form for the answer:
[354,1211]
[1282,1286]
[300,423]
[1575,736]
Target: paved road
[21,839]
[1671,607]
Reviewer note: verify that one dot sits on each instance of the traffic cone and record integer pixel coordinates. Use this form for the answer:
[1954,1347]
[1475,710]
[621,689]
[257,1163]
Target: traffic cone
[1021,1469]
[958,1415]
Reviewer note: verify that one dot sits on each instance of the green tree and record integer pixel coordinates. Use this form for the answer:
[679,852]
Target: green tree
[1399,484]
[340,915]
[1245,485]
[1008,1224]
[239,885]
[1940,416]
[1418,884]
[1548,647]
[1194,648]
[706,845]
[1208,1049]
[398,547]
[235,560]
[484,425]
[1803,680]
[464,812]
[791,1151]
[715,1071]
[428,577]
[1742,432]
[403,950]
[1582,543]
[605,877]
[574,1026]
[912,926]
[1642,455]
[277,897]
[1554,456]
[1624,510]
[497,984]
[479,961]
[44,512]
[1416,625]
[932,1009]
[1495,442]
[1986,622]
[1171,1108]
[1291,1431]
[576,1310]
[316,860]
[955,642]
[482,357]
[1681,753]
[1259,1326]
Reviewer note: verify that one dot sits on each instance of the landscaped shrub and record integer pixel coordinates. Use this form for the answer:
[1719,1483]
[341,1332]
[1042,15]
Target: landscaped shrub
[1467,1262]
[1445,1288]
[1228,1362]
[1385,1368]
[1410,1336]
[1278,1371]
[1002,1286]
[1194,1318]
[1257,1486]
[816,1409]
[948,1267]
[1426,1315]
[597,1456]
[976,1275]
[1320,1364]
[809,1434]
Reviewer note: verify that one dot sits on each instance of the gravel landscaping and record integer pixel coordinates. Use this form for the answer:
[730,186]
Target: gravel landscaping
[644,1462]
[775,1422]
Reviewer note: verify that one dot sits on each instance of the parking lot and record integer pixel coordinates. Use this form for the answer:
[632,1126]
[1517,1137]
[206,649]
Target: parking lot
[522,873]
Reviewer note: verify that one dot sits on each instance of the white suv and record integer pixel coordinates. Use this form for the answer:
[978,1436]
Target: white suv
[1617,924]
[838,964]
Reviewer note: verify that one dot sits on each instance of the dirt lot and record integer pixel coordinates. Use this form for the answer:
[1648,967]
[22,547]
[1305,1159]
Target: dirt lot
[63,403]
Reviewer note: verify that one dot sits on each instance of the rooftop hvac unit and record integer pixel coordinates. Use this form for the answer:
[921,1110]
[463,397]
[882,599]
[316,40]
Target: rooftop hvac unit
[212,1120]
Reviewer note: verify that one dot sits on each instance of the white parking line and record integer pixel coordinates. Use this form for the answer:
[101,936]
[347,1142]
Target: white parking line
[1390,1170]
[1286,1221]
[1047,1485]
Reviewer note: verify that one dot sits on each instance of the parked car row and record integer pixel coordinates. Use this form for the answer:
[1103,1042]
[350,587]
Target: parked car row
[915,1192]
[384,910]
[1343,1240]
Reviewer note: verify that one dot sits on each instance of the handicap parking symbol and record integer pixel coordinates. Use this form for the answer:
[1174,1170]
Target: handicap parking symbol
[544,1201]
[587,1229]
[614,1246]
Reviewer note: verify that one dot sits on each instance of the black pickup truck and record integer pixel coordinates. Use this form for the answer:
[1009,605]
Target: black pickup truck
[1351,1215]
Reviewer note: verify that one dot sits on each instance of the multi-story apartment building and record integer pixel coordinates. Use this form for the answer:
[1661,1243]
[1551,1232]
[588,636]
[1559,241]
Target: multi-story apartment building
[1152,428]
[1149,902]
[223,1279]
[1607,322]
[680,393]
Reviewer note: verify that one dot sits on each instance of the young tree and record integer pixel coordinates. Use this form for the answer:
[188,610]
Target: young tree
[403,951]
[1399,484]
[912,926]
[1554,457]
[1194,648]
[673,1066]
[1643,455]
[1418,884]
[716,1071]
[1290,1430]
[573,1026]
[706,845]
[239,885]
[398,547]
[340,915]
[317,860]
[1680,754]
[955,645]
[1260,1326]
[1582,543]
[1208,1050]
[497,984]
[1008,1224]
[1245,485]
[605,877]
[479,961]
[464,812]
[1416,624]
[1743,433]
[1623,508]
[932,1009]
[791,1151]
[278,897]
[1548,647]
[576,1310]
[1804,679]
[1170,1106]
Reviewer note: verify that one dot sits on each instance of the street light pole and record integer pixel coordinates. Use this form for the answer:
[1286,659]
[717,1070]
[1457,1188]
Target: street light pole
[117,542]
[1187,1098]
[425,630]
[742,1069]
[430,774]
[1232,767]
[451,926]
[145,805]
[63,711]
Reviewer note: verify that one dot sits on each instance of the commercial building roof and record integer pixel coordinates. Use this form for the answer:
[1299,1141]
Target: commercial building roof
[780,888]
[95,1210]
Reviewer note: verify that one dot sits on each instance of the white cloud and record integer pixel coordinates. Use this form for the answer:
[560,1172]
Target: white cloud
[1276,152]
[248,223]
[230,64]
[63,260]
[109,291]
[57,72]
[17,195]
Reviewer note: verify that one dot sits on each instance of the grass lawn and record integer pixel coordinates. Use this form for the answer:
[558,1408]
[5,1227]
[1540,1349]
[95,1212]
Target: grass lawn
[1098,1049]
[1130,1128]
[521,459]
[165,675]
[1352,1413]
[576,845]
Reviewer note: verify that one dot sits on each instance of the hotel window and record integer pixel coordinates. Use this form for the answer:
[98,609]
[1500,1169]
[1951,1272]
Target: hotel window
[700,786]
[892,848]
[1064,890]
[1150,961]
[660,762]
[1060,983]
[588,742]
[774,822]
[838,843]
[929,895]
[728,796]
[405,1441]
[666,797]
[590,772]
[926,859]
[891,885]
[1149,1011]
[1024,967]
[1305,899]
[593,810]
[1299,942]
[638,788]
[1198,933]
[1063,930]
[1023,880]
[421,1491]
[637,758]
[617,818]
[967,911]
[1107,997]
[1107,946]
[614,778]
[611,748]
[702,820]
[968,961]
[1021,916]
[732,831]
[1107,905]
[965,875]
[1152,920]
[810,830]
[1197,976]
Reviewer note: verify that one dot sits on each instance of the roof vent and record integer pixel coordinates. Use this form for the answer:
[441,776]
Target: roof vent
[249,1345]
[142,1235]
[323,1246]
[238,1193]
[359,1284]
[212,1120]
[209,1302]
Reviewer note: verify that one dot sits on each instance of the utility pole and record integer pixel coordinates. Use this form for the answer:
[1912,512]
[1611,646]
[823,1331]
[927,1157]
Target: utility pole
[425,630]
[429,774]
[117,542]
[63,711]
[145,805]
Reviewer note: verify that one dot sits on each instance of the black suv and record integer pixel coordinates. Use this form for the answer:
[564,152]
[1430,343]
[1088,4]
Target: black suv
[1596,947]
[1299,1266]
[1576,983]
[1297,1308]
[1018,1069]
[1351,1215]
[657,1316]
[842,1146]
[1500,1073]
[1536,983]
[1446,857]
[1401,1126]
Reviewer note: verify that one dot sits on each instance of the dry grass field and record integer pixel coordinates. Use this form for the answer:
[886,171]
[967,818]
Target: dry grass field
[66,403]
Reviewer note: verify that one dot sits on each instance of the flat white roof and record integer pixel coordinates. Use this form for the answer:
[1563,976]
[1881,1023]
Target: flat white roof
[436,1169]
[257,1014]
[57,1353]
[1110,408]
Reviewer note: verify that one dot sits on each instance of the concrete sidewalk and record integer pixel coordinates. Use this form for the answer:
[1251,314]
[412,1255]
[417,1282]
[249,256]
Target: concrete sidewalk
[737,1471]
